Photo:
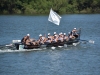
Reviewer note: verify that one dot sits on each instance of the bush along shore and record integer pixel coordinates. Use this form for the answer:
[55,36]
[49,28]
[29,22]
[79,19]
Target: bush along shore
[43,6]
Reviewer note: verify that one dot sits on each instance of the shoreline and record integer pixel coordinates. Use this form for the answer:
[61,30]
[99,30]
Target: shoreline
[48,14]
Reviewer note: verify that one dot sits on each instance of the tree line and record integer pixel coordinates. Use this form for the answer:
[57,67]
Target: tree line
[44,6]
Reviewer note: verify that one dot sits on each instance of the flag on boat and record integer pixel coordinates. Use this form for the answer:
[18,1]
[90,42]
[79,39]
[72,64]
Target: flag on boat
[54,17]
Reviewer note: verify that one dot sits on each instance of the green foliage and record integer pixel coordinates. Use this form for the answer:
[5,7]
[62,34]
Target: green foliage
[44,6]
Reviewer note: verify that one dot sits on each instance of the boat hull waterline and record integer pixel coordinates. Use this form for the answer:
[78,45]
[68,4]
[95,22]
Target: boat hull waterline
[19,45]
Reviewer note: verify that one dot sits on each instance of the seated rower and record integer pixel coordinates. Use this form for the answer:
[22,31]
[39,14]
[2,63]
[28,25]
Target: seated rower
[26,40]
[51,37]
[74,33]
[41,39]
[48,41]
[54,39]
[48,35]
[60,38]
[65,38]
[54,34]
[70,36]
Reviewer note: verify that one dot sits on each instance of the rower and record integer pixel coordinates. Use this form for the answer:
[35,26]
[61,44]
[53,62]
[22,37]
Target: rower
[70,36]
[55,39]
[54,33]
[60,38]
[48,35]
[26,40]
[42,39]
[65,37]
[48,41]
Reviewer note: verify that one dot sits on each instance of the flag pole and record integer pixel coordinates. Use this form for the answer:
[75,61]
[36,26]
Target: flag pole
[46,29]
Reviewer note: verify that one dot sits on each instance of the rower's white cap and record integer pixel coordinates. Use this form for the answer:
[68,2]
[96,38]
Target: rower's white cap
[54,32]
[55,35]
[48,33]
[40,35]
[74,28]
[61,33]
[48,36]
[64,33]
[28,34]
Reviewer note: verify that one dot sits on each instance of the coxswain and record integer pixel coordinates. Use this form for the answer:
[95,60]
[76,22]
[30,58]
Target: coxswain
[74,33]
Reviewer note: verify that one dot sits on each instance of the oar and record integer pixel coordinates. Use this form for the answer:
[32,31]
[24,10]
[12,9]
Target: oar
[90,41]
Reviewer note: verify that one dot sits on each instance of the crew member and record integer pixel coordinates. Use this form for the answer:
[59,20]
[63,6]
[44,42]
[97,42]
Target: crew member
[42,39]
[65,37]
[74,33]
[26,40]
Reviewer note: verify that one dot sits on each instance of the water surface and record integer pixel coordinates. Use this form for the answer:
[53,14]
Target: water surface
[83,59]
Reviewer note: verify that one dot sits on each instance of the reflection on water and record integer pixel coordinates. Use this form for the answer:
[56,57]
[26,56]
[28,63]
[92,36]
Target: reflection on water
[55,64]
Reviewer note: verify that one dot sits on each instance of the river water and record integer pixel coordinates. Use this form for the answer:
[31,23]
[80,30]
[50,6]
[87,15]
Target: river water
[83,59]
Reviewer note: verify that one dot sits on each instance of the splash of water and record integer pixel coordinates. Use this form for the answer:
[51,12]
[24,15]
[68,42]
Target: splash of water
[91,41]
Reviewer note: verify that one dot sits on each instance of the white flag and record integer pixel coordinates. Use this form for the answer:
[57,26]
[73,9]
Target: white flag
[54,17]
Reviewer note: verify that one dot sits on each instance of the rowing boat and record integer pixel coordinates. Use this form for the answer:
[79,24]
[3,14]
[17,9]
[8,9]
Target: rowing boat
[54,18]
[19,45]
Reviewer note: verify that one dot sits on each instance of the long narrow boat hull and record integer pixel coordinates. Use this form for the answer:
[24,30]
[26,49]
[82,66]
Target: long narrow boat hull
[53,44]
